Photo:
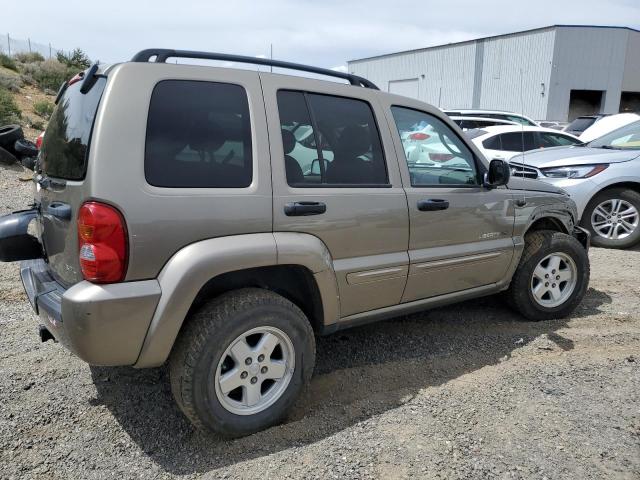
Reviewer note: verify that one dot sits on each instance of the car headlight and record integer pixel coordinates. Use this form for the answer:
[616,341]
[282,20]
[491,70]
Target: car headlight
[575,171]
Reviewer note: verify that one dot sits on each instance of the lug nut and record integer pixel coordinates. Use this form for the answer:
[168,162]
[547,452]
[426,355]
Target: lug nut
[247,361]
[546,275]
[254,379]
[553,285]
[558,277]
[260,358]
[244,375]
[546,284]
[263,370]
[553,271]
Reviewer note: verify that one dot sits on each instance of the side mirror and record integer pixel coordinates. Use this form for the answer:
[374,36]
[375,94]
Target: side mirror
[498,174]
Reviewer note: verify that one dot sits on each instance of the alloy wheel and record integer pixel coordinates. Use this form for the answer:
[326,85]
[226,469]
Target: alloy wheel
[255,370]
[554,280]
[615,219]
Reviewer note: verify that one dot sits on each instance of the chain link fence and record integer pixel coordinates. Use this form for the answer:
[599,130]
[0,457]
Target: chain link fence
[11,46]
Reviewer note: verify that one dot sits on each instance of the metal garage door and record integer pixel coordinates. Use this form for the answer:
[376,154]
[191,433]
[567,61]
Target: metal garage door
[408,88]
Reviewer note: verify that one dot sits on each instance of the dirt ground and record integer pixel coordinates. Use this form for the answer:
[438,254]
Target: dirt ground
[466,391]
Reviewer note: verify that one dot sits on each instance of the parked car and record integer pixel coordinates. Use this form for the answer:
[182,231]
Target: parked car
[176,222]
[580,124]
[469,123]
[497,114]
[608,124]
[602,177]
[506,141]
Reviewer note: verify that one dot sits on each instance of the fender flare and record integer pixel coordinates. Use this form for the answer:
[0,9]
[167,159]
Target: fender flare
[189,269]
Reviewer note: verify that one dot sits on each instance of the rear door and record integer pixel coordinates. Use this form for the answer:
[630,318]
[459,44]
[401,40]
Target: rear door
[63,164]
[460,232]
[333,160]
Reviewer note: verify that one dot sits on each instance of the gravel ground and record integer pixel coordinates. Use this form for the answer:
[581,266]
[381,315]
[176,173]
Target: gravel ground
[468,391]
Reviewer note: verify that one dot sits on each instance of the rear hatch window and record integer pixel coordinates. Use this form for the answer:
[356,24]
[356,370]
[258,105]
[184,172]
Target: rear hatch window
[580,124]
[65,146]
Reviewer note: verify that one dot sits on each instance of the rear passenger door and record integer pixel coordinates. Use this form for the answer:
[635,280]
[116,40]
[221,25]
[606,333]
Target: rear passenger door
[335,176]
[461,233]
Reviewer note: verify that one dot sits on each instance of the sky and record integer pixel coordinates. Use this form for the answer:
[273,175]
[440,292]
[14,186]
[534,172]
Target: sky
[324,33]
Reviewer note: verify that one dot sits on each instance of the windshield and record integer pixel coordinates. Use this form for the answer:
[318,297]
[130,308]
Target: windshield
[624,138]
[580,124]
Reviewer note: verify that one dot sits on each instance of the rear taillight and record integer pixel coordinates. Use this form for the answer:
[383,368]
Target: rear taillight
[39,141]
[102,238]
[419,136]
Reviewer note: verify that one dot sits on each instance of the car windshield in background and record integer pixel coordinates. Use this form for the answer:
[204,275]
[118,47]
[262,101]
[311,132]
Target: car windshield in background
[476,132]
[625,138]
[580,124]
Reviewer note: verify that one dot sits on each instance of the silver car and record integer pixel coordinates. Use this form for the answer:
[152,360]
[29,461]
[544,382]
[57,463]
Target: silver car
[602,177]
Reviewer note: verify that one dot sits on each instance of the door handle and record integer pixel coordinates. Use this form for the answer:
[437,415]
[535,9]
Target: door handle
[432,204]
[60,210]
[303,209]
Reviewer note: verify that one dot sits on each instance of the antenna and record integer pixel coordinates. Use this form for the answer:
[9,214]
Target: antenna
[524,194]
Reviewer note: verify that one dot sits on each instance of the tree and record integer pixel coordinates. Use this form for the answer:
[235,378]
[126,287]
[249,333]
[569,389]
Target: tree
[76,59]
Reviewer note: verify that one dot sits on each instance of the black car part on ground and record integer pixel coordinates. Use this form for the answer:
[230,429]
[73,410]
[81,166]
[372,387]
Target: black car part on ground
[15,241]
[8,136]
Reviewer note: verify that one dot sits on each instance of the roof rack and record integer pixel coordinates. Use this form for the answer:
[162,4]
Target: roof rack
[162,54]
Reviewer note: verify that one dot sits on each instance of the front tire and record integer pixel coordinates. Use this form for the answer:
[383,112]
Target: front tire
[552,277]
[241,362]
[613,218]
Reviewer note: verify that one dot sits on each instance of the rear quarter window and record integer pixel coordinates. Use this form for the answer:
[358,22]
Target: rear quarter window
[65,147]
[198,136]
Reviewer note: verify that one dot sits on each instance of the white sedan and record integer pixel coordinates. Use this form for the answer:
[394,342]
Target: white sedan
[504,142]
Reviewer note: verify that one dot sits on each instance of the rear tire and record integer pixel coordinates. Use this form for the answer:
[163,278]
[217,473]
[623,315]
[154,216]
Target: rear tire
[538,297]
[610,206]
[6,157]
[226,341]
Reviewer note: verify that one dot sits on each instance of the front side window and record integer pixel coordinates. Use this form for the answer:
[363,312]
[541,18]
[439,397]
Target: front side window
[329,140]
[198,136]
[435,155]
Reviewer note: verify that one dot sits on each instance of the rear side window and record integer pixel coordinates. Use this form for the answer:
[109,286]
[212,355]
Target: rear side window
[492,143]
[198,136]
[518,141]
[330,140]
[65,147]
[555,140]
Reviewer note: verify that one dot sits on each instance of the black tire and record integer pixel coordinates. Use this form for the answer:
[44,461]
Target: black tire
[209,332]
[8,136]
[7,158]
[625,194]
[537,246]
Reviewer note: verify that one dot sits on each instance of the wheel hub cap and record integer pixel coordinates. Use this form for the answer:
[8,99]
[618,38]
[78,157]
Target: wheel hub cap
[615,219]
[554,280]
[254,371]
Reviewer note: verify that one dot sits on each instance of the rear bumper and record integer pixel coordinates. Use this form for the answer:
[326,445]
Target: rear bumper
[101,324]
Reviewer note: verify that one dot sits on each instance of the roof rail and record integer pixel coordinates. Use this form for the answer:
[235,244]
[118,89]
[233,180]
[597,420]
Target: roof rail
[162,54]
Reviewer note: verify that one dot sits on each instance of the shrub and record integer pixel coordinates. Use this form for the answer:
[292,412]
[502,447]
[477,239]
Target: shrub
[9,111]
[28,57]
[10,82]
[37,125]
[76,59]
[48,74]
[44,108]
[8,62]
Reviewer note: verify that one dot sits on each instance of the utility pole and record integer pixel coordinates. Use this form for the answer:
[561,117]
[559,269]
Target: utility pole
[9,43]
[271,47]
[29,42]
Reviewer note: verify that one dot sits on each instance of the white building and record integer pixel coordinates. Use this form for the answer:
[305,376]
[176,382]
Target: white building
[553,73]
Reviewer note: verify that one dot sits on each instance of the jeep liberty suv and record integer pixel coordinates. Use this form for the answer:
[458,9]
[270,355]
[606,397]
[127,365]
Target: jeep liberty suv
[217,219]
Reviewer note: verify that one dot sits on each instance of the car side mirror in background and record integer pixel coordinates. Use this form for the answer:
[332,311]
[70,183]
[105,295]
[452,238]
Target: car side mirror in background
[498,174]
